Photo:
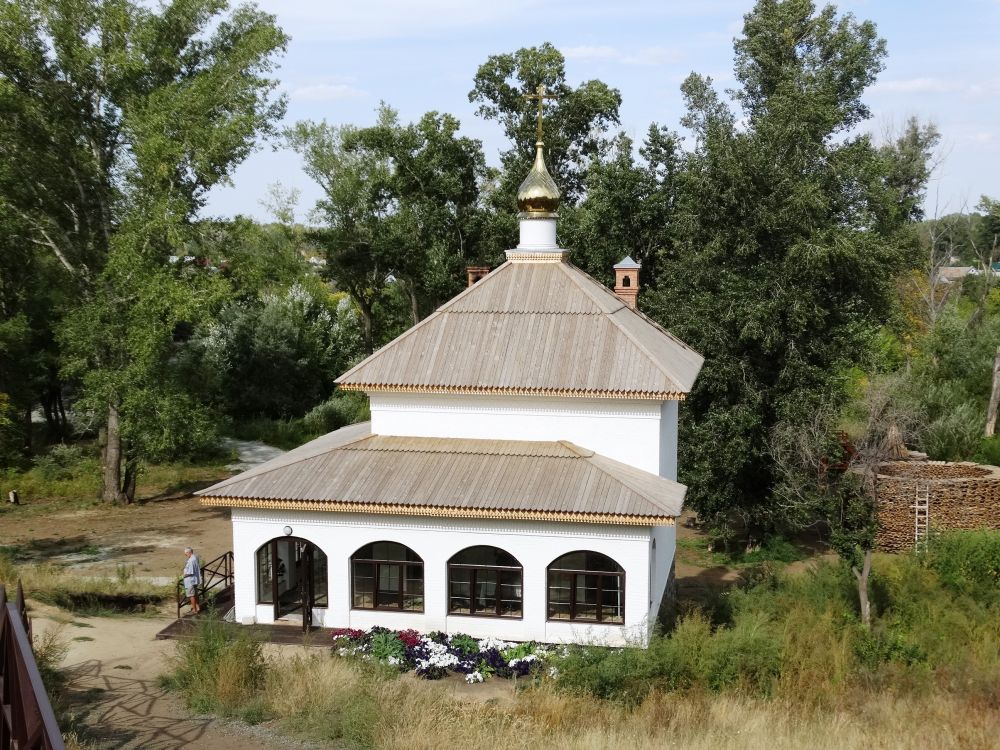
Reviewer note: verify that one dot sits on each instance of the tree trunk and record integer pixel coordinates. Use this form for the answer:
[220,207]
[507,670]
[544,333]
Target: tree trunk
[863,600]
[111,458]
[411,290]
[991,411]
[62,412]
[367,325]
[28,437]
[127,495]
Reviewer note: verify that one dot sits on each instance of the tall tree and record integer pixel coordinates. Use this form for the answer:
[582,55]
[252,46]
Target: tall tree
[629,208]
[399,203]
[125,117]
[576,130]
[791,229]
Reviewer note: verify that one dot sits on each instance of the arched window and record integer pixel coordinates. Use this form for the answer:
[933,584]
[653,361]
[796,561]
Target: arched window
[486,582]
[586,586]
[387,575]
[626,281]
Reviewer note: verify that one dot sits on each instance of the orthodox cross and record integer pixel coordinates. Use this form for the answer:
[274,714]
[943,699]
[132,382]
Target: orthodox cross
[540,95]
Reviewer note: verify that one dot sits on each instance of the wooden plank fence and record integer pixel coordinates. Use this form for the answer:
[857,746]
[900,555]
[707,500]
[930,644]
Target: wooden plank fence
[27,721]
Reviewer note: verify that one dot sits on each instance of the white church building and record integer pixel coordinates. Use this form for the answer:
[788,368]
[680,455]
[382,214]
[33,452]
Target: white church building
[517,478]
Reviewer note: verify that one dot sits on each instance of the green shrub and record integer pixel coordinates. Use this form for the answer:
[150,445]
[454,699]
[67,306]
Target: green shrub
[465,643]
[968,562]
[878,647]
[387,645]
[955,435]
[221,670]
[989,451]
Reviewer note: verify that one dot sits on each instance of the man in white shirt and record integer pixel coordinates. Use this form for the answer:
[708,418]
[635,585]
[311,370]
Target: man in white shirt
[192,579]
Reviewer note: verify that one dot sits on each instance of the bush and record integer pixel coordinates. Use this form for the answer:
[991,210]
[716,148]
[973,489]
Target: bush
[339,411]
[62,462]
[748,654]
[221,670]
[989,451]
[967,562]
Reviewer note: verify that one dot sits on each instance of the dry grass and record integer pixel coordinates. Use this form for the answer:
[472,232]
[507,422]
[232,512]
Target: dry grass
[787,666]
[335,700]
[93,595]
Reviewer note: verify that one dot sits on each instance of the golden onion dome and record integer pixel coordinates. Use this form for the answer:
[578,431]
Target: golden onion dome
[538,195]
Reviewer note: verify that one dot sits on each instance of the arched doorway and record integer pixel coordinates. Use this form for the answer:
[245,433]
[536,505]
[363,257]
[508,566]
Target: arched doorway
[292,575]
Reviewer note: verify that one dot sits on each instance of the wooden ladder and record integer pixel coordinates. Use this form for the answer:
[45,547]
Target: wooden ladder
[921,514]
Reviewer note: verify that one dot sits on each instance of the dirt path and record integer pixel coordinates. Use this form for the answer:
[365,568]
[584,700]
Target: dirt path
[113,665]
[251,453]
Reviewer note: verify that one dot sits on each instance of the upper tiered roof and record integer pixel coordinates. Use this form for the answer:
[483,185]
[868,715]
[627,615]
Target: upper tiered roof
[533,328]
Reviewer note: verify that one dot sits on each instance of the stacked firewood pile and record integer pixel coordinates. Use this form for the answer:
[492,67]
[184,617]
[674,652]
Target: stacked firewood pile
[961,496]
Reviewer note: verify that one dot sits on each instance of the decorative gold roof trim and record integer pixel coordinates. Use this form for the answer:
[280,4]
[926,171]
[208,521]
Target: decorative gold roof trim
[506,391]
[540,256]
[434,511]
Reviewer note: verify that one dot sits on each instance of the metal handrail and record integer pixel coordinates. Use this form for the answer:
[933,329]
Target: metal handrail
[214,574]
[27,721]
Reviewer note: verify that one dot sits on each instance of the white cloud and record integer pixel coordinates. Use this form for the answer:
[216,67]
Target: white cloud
[652,56]
[986,87]
[917,86]
[327,92]
[641,56]
[591,53]
[386,19]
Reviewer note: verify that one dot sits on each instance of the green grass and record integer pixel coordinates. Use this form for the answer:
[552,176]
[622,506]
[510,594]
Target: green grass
[695,551]
[937,619]
[72,480]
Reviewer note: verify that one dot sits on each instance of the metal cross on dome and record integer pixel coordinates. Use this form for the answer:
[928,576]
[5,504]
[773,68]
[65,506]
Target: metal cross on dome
[540,95]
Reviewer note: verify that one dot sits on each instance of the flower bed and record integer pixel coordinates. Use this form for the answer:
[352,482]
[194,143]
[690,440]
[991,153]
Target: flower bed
[433,655]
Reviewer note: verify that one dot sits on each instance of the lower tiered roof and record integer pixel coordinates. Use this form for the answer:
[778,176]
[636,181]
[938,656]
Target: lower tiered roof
[352,470]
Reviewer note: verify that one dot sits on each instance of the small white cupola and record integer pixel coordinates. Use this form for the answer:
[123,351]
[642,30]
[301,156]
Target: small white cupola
[627,281]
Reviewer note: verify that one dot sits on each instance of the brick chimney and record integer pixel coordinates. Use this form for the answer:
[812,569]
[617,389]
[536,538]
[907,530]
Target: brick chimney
[627,281]
[475,273]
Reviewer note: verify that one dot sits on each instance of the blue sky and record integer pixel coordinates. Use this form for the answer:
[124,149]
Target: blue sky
[420,55]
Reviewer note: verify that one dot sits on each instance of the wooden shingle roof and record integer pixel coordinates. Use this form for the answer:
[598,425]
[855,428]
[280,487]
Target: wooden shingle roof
[354,471]
[533,329]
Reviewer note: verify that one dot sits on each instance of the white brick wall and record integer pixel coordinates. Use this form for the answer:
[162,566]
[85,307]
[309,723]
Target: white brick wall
[627,431]
[534,544]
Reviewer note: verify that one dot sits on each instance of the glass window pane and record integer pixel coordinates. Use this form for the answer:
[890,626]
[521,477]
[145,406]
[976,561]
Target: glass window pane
[265,591]
[560,589]
[510,593]
[586,560]
[413,588]
[485,593]
[320,581]
[586,597]
[364,585]
[484,555]
[391,551]
[388,594]
[612,599]
[459,590]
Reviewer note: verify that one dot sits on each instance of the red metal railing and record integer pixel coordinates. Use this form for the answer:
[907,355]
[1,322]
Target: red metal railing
[26,718]
[216,574]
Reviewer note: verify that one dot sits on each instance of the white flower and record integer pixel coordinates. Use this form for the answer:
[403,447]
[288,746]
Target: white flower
[553,673]
[526,659]
[438,656]
[394,660]
[487,643]
[474,677]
